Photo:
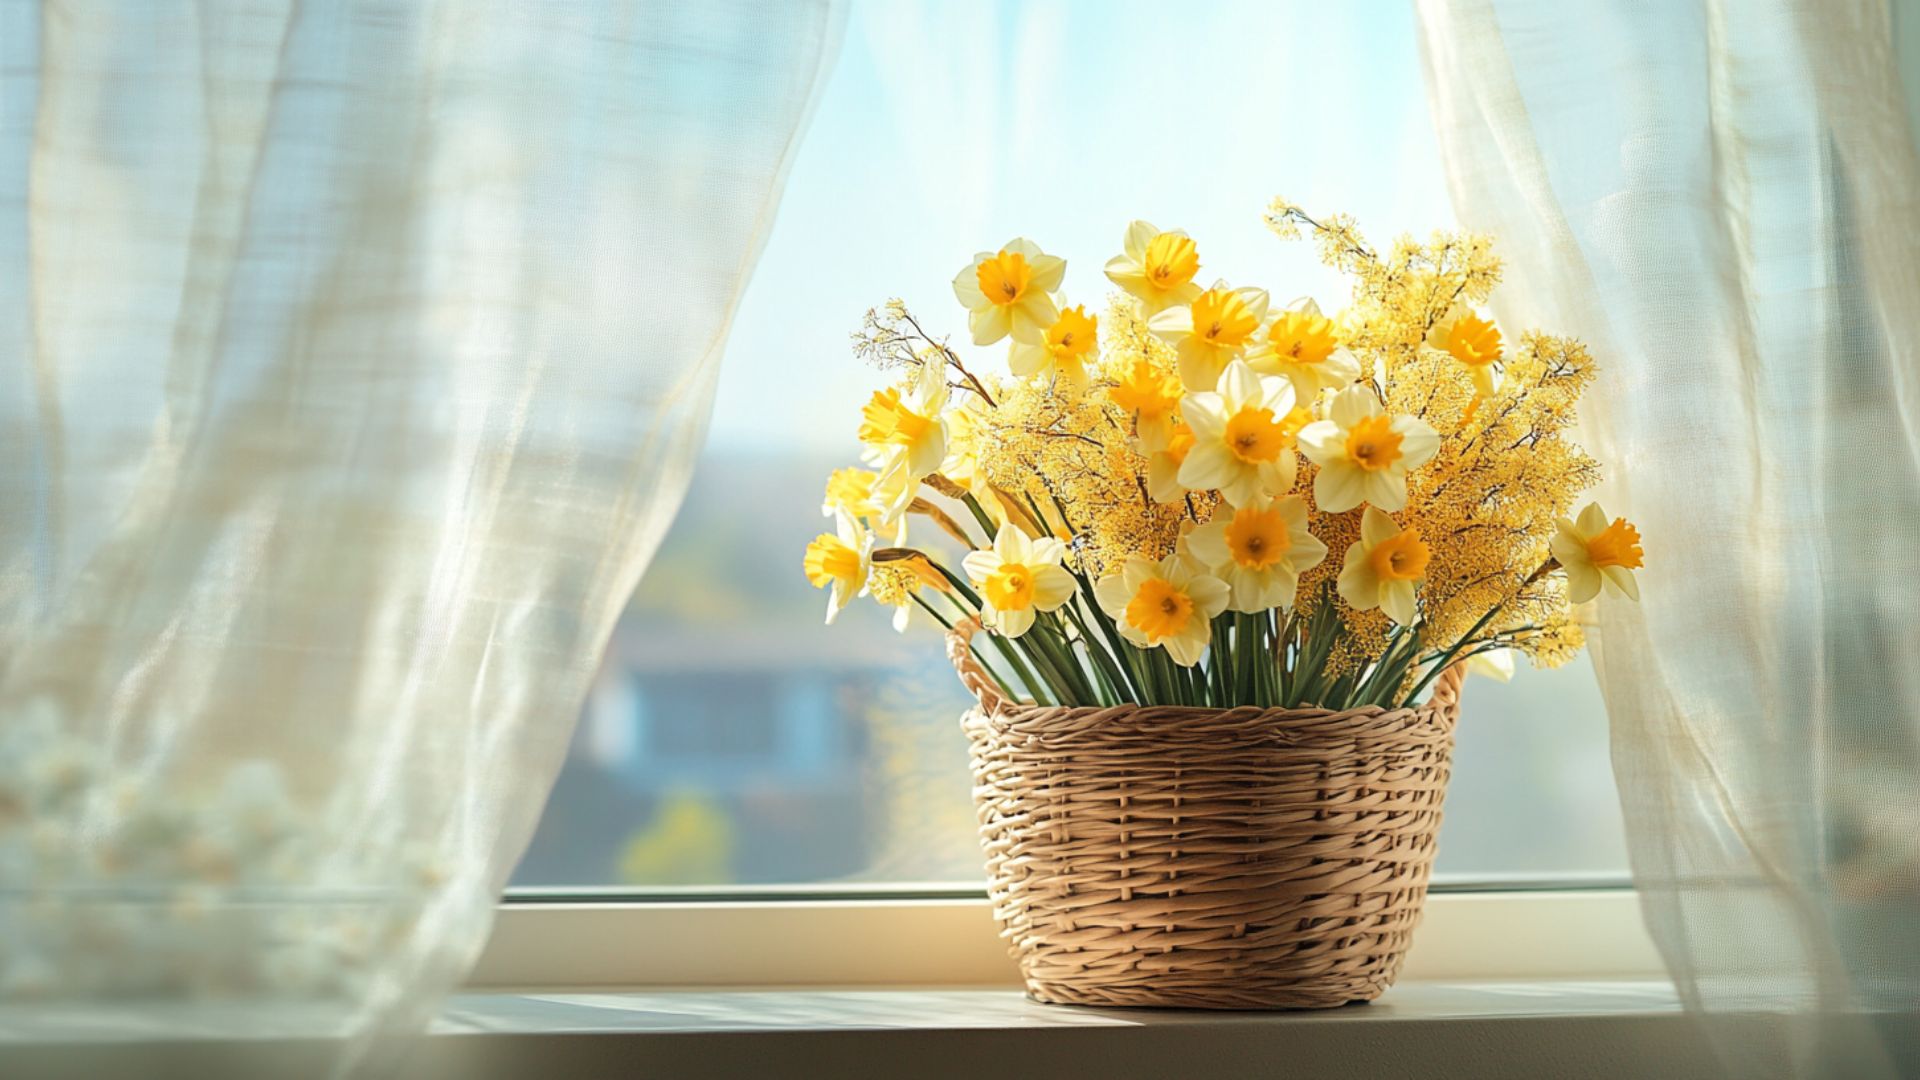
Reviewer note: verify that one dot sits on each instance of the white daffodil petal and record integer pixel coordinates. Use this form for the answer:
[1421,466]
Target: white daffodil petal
[1052,587]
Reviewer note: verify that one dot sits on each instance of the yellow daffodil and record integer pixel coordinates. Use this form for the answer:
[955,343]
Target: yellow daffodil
[1018,577]
[906,434]
[1384,567]
[1009,292]
[966,427]
[1596,554]
[1364,454]
[857,492]
[1163,466]
[1214,329]
[1473,341]
[1259,552]
[1303,347]
[1158,267]
[1241,443]
[1152,396]
[839,562]
[1170,603]
[1062,352]
[1495,664]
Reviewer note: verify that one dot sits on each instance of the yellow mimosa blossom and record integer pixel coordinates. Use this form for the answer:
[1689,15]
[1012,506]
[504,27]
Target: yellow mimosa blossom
[1009,292]
[1216,328]
[1364,454]
[1152,396]
[1158,267]
[1259,551]
[905,434]
[1241,444]
[839,562]
[1303,346]
[1384,568]
[1170,603]
[1018,577]
[1595,554]
[1473,341]
[1163,466]
[1062,352]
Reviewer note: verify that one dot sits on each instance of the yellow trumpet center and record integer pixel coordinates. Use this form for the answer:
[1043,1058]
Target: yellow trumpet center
[1073,334]
[1171,261]
[1402,557]
[1179,442]
[829,559]
[1303,337]
[887,419]
[1258,538]
[1473,341]
[1222,318]
[1004,278]
[1010,588]
[1255,436]
[1159,610]
[1146,390]
[1616,545]
[1372,443]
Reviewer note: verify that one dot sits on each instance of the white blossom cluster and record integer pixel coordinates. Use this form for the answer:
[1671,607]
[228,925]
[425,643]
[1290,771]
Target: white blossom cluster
[114,886]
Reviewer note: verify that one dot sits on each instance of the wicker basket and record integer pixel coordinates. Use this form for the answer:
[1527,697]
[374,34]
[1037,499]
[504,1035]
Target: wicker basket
[1207,858]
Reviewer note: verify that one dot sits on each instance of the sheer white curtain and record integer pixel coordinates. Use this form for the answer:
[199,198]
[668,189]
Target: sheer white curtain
[1723,199]
[352,361]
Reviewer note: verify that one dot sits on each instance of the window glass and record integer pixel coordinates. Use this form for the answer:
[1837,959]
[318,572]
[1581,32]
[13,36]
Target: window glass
[731,739]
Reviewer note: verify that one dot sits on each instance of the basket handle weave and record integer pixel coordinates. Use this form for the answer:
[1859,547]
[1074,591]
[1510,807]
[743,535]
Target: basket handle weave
[1445,697]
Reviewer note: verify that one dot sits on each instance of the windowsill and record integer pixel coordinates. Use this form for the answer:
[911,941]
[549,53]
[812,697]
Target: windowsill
[1436,1029]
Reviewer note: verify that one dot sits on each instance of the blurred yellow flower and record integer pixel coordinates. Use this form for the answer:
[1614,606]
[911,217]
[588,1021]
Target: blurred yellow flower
[1170,603]
[1303,346]
[1158,267]
[1474,342]
[906,435]
[1151,395]
[1163,466]
[1017,577]
[1008,292]
[1213,330]
[1259,552]
[1384,568]
[1596,554]
[839,562]
[1241,445]
[1364,454]
[1062,352]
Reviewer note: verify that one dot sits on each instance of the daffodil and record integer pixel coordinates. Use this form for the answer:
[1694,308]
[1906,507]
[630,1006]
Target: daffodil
[1170,603]
[1158,267]
[1152,396]
[858,492]
[1018,577]
[1596,554]
[1212,330]
[1009,292]
[1384,567]
[1473,341]
[839,562]
[1364,454]
[897,573]
[906,435]
[1163,466]
[1259,552]
[1303,346]
[1495,664]
[1241,443]
[1062,351]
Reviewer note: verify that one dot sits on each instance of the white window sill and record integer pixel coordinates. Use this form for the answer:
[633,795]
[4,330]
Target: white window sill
[1529,1028]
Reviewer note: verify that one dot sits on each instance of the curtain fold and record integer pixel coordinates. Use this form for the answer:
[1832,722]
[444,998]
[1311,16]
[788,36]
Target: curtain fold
[353,358]
[1723,199]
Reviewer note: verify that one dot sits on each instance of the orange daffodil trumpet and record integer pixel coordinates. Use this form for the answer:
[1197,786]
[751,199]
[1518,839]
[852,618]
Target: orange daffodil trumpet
[1598,555]
[1018,577]
[1364,454]
[1156,267]
[1169,603]
[1212,331]
[1241,443]
[1259,552]
[1009,293]
[1120,496]
[1383,570]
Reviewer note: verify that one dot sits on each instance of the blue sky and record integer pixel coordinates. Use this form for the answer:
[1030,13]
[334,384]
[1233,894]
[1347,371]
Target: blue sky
[948,128]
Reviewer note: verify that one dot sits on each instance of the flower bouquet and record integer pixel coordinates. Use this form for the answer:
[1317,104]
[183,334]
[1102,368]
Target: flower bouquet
[1214,571]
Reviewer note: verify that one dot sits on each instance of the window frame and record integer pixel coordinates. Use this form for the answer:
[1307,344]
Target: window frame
[1577,928]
